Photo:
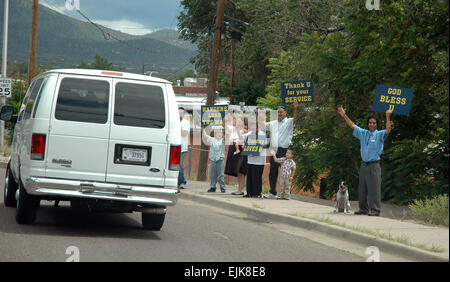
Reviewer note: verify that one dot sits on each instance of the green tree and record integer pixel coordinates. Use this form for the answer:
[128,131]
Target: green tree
[99,63]
[403,44]
[19,88]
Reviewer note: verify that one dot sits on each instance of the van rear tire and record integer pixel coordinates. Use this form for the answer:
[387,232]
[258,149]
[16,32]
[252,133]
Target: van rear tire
[27,206]
[10,188]
[152,221]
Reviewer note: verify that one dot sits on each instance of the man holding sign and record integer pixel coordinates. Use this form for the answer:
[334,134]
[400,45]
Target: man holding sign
[372,143]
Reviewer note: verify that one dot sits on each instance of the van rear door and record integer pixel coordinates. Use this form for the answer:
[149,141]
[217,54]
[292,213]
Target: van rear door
[138,145]
[79,128]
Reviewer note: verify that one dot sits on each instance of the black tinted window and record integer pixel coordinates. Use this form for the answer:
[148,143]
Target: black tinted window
[83,100]
[139,105]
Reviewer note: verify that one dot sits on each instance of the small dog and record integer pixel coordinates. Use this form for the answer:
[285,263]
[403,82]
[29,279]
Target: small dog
[342,199]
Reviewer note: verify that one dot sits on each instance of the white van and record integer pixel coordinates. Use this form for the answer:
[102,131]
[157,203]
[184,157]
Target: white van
[103,140]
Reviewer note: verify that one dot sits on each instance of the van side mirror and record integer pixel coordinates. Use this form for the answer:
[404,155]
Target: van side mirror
[7,114]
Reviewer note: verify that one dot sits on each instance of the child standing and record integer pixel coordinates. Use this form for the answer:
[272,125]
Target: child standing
[287,172]
[216,157]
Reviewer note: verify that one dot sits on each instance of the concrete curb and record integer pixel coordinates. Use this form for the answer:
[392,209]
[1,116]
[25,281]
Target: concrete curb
[335,231]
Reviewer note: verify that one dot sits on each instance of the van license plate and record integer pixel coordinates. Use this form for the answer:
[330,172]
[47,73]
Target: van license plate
[134,155]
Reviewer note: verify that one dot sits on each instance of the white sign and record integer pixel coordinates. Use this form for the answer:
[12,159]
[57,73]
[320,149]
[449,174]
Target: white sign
[5,87]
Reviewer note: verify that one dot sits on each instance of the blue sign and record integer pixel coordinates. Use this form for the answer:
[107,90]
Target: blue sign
[301,91]
[253,146]
[396,99]
[213,115]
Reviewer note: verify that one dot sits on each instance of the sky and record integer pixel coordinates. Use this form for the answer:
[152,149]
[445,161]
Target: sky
[136,17]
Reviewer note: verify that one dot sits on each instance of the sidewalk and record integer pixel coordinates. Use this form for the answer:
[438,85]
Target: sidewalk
[413,240]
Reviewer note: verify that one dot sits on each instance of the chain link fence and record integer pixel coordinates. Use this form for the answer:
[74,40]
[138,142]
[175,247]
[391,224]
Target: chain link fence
[191,165]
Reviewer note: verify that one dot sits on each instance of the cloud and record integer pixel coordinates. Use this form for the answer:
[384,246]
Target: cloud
[126,26]
[137,16]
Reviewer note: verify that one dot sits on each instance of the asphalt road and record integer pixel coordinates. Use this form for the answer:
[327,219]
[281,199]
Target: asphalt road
[191,233]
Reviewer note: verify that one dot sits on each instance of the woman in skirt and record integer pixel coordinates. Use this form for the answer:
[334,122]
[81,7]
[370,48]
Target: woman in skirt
[236,164]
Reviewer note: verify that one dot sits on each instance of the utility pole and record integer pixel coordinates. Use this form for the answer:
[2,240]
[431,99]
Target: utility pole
[33,41]
[212,83]
[232,71]
[215,58]
[4,67]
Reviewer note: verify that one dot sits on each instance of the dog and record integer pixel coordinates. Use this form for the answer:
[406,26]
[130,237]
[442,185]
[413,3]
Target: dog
[342,199]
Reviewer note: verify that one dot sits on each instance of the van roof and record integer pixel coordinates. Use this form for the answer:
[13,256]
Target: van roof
[109,73]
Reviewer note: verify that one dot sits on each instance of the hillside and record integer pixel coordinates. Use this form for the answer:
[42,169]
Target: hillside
[171,37]
[66,42]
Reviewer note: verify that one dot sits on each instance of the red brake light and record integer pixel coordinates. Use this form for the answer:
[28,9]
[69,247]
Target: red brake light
[37,146]
[175,154]
[112,73]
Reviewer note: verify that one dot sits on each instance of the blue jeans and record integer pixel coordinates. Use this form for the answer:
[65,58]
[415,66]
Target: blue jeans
[181,179]
[216,174]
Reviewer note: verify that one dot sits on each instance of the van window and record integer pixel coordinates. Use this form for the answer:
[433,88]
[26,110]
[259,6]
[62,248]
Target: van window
[83,100]
[30,97]
[139,105]
[38,98]
[25,100]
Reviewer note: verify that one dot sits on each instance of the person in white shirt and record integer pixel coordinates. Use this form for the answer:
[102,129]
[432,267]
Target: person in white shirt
[281,132]
[185,130]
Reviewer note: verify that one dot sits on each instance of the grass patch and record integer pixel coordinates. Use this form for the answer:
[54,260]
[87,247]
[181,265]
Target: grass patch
[431,211]
[387,236]
[265,189]
[256,206]
[6,152]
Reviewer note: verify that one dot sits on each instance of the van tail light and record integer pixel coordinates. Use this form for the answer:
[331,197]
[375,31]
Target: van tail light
[37,147]
[175,155]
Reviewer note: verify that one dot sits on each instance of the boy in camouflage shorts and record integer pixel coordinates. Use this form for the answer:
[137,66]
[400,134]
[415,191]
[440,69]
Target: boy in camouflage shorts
[287,171]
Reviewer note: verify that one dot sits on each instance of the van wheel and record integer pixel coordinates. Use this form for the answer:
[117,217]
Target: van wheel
[152,221]
[10,188]
[26,207]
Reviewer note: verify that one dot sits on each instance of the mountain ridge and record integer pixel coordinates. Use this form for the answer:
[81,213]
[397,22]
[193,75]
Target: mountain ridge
[66,42]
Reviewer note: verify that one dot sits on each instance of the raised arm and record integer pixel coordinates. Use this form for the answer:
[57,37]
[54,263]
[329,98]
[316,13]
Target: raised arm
[295,112]
[388,122]
[205,136]
[349,122]
[274,155]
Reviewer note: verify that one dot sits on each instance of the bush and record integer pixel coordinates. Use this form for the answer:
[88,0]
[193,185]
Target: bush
[433,211]
[414,169]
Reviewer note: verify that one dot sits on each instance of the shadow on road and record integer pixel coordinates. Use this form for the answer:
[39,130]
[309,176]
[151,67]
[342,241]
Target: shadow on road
[63,221]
